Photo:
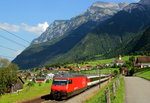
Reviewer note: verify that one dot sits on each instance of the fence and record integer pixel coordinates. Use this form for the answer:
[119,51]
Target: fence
[110,92]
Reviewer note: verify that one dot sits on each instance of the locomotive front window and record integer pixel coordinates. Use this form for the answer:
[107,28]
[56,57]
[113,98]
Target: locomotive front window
[60,81]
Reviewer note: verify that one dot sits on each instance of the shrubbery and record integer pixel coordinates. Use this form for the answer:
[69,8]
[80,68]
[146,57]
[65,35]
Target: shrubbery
[8,75]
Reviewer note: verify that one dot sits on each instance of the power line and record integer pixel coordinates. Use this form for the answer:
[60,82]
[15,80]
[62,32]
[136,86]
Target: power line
[14,35]
[12,41]
[6,56]
[8,48]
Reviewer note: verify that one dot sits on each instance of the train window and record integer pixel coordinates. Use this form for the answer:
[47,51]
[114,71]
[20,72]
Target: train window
[60,81]
[94,79]
[70,81]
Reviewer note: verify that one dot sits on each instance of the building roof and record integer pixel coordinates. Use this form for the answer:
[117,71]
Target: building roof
[40,78]
[30,77]
[43,68]
[89,66]
[24,73]
[124,68]
[119,61]
[64,69]
[143,59]
[76,69]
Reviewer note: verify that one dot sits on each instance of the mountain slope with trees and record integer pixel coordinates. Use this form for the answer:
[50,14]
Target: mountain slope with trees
[107,39]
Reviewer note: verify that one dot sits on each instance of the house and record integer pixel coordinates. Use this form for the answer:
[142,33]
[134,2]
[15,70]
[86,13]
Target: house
[124,71]
[32,74]
[40,80]
[63,69]
[143,61]
[30,78]
[24,75]
[18,85]
[89,67]
[50,76]
[43,69]
[118,61]
[83,68]
[76,69]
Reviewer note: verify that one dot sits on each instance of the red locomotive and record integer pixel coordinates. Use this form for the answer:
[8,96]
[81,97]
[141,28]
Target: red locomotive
[66,85]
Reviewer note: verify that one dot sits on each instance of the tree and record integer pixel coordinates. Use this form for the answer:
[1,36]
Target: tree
[30,84]
[33,80]
[4,62]
[8,75]
[47,81]
[132,59]
[116,72]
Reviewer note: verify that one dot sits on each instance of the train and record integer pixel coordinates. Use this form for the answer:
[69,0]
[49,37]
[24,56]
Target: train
[66,85]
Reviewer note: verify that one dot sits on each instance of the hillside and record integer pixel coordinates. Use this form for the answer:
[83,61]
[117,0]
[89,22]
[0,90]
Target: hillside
[106,38]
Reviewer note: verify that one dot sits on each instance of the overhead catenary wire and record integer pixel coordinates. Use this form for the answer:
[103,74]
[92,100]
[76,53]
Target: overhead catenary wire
[8,48]
[14,35]
[12,41]
[6,56]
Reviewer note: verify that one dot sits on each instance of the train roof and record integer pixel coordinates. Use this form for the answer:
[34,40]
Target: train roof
[72,75]
[93,76]
[69,75]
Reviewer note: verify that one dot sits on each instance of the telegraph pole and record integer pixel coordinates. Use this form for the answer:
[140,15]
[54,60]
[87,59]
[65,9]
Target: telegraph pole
[99,77]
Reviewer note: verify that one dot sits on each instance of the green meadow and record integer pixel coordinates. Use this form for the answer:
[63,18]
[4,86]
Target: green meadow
[144,74]
[27,93]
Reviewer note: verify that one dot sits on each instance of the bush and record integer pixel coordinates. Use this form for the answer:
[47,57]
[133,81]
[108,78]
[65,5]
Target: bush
[30,84]
[116,72]
[47,81]
[40,84]
[33,80]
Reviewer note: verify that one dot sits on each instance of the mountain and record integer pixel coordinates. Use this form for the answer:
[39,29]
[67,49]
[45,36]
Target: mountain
[99,11]
[119,34]
[141,43]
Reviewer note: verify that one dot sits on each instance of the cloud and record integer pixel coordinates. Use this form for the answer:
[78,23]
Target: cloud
[38,29]
[10,27]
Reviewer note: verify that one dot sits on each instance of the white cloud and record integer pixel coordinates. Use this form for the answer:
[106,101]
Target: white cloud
[38,29]
[9,27]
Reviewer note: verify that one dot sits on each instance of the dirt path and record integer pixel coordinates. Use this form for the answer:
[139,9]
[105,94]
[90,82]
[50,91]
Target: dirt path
[137,90]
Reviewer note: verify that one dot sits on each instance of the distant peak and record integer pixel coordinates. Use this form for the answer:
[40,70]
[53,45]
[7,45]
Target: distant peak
[123,4]
[145,2]
[103,4]
[112,5]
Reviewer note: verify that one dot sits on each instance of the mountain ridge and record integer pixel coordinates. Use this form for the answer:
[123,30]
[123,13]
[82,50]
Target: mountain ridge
[111,36]
[99,11]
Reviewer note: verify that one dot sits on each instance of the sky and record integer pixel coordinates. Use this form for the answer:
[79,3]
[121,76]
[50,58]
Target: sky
[27,19]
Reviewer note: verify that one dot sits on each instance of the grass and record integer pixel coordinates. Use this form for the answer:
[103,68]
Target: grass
[97,62]
[144,74]
[99,97]
[102,71]
[27,93]
[120,93]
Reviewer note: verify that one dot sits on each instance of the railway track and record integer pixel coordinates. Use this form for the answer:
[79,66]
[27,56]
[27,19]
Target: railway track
[43,99]
[75,99]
